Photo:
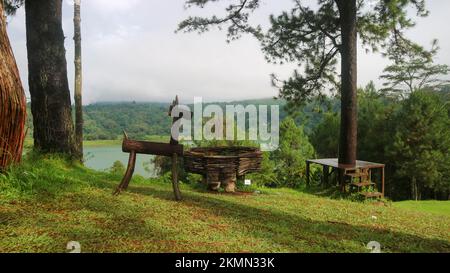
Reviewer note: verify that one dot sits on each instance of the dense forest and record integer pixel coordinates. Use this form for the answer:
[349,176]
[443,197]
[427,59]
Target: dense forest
[108,120]
[405,134]
[386,127]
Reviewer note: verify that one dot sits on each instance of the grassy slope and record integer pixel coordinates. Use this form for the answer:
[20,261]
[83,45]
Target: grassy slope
[48,203]
[436,207]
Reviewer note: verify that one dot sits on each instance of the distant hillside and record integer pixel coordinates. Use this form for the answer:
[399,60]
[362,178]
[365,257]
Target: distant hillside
[107,120]
[140,120]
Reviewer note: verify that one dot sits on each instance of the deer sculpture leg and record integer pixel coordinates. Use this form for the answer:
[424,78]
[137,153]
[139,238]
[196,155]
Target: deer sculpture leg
[128,175]
[175,184]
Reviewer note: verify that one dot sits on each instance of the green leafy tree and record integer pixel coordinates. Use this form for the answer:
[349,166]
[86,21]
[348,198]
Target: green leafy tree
[290,158]
[11,6]
[420,150]
[325,136]
[314,39]
[117,168]
[412,70]
[267,176]
[374,111]
[375,123]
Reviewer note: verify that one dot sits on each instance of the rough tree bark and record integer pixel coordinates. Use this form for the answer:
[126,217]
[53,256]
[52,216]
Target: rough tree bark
[12,102]
[48,82]
[78,81]
[349,113]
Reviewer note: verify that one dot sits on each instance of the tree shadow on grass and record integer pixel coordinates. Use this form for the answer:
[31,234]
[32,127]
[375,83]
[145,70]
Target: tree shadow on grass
[293,232]
[331,192]
[283,230]
[100,224]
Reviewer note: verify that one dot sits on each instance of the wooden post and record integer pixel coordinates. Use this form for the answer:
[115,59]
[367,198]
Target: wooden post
[229,182]
[307,173]
[174,138]
[175,184]
[128,175]
[382,181]
[213,180]
[326,174]
[174,142]
[341,175]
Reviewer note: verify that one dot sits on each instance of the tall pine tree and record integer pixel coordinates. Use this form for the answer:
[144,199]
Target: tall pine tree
[314,38]
[420,150]
[413,70]
[47,75]
[78,81]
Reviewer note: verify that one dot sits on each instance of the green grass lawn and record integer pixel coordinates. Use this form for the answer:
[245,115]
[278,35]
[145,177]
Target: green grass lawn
[48,202]
[436,207]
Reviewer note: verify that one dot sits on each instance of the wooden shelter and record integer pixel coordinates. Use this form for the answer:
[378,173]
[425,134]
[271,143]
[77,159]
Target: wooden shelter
[12,102]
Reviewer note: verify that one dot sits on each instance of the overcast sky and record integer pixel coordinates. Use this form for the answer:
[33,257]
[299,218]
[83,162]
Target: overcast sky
[131,53]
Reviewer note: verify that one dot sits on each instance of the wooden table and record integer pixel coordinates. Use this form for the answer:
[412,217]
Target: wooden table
[333,163]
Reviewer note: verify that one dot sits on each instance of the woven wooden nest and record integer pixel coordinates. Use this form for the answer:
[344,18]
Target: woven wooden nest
[226,160]
[12,103]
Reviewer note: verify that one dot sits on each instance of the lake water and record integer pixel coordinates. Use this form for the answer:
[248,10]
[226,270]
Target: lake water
[103,157]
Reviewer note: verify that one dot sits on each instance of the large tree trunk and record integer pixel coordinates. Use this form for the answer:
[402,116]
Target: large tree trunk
[12,102]
[49,86]
[78,81]
[348,134]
